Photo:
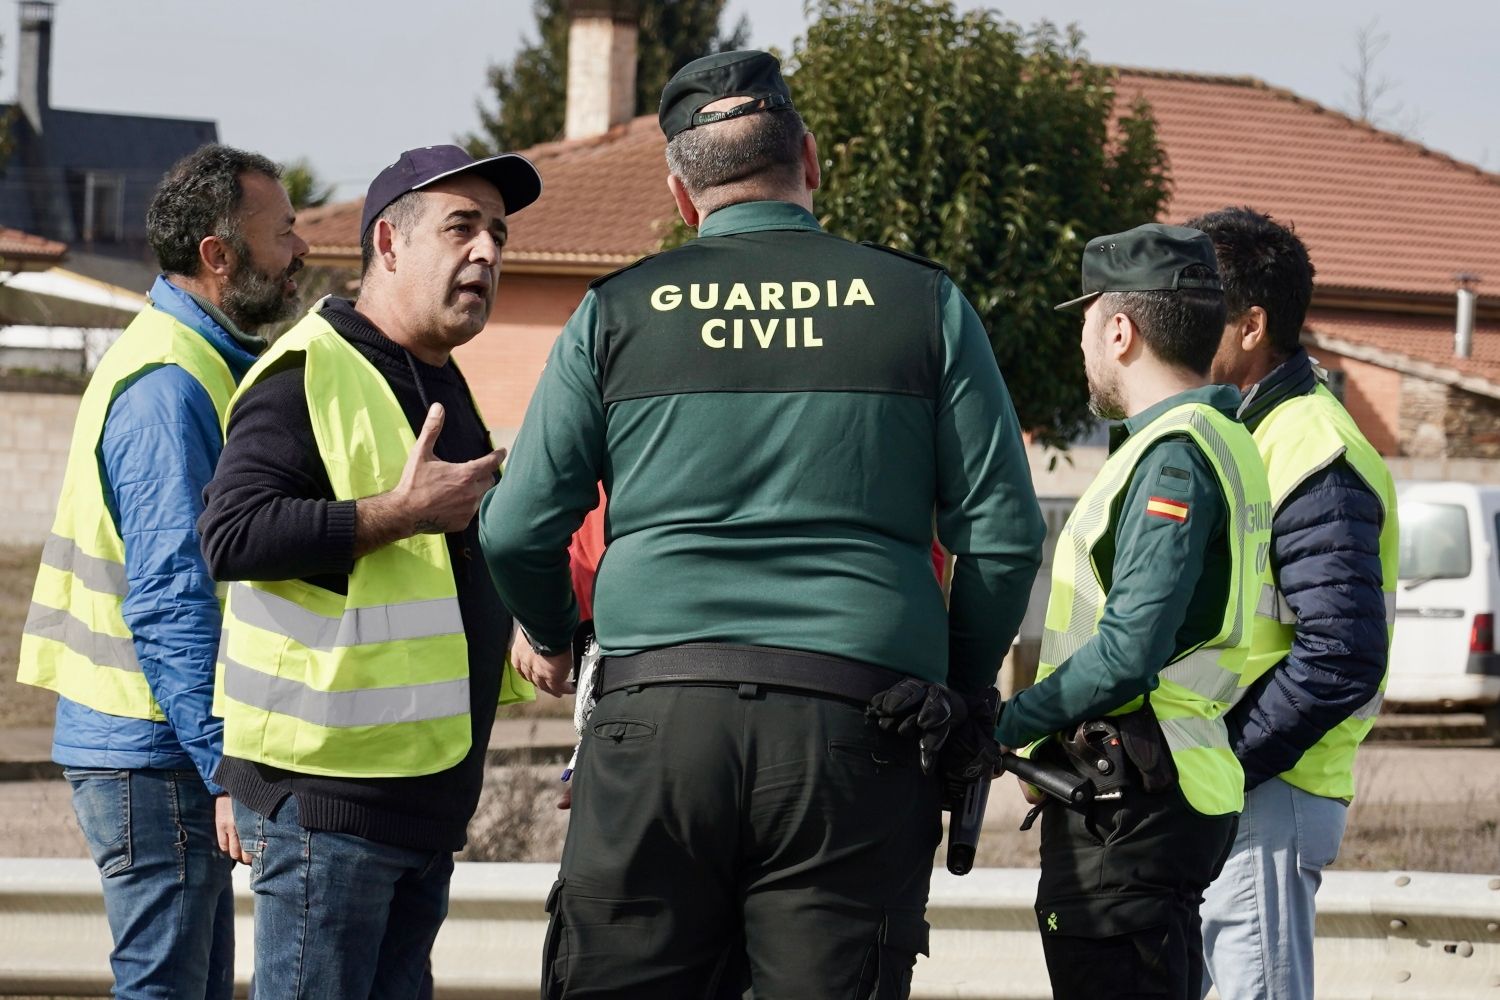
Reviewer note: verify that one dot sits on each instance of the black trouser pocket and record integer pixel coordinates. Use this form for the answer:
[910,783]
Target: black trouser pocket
[1144,964]
[889,963]
[552,961]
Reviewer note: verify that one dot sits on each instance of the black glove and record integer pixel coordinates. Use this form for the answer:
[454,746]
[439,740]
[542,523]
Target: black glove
[918,708]
[971,750]
[952,729]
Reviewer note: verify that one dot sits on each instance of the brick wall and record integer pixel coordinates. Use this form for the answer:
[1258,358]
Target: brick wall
[35,428]
[1373,397]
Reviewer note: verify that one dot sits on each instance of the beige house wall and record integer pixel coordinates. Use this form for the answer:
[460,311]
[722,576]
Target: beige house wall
[504,363]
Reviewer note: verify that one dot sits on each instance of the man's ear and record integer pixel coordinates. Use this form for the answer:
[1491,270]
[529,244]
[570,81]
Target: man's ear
[685,206]
[812,167]
[1253,334]
[385,243]
[1120,336]
[217,255]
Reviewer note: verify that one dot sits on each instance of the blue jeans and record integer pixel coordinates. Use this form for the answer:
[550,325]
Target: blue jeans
[338,915]
[167,892]
[1258,915]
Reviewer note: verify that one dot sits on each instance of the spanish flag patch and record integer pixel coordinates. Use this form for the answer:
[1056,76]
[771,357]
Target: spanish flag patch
[1172,510]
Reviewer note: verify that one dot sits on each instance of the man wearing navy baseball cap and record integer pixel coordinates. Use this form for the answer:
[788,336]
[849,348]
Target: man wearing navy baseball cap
[364,644]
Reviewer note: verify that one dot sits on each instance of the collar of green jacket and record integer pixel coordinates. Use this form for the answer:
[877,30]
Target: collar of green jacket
[1224,398]
[755,217]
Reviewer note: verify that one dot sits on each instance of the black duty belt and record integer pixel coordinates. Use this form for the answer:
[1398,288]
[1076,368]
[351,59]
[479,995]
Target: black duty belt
[746,667]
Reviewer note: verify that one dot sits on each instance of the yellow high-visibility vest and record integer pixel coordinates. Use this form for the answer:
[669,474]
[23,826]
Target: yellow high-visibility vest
[1298,439]
[375,682]
[75,640]
[1195,689]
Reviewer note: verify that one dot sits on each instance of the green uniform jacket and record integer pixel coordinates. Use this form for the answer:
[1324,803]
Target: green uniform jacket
[1167,584]
[770,489]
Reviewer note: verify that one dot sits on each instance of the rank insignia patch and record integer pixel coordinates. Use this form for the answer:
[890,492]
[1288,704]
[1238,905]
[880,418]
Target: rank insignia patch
[1172,510]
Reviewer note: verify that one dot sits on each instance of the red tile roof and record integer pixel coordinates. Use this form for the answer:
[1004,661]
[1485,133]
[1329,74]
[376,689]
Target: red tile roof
[18,246]
[604,203]
[1379,213]
[1420,345]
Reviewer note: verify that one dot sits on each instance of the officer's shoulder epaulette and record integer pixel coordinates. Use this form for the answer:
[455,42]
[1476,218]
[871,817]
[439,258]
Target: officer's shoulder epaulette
[621,270]
[915,258]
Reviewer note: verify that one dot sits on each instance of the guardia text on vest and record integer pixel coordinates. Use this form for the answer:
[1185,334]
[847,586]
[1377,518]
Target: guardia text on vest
[770,297]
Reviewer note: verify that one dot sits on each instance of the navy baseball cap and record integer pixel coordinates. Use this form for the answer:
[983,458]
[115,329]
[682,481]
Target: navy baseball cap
[512,174]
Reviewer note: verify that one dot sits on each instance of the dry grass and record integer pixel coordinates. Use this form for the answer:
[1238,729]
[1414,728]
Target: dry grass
[518,818]
[1420,838]
[20,704]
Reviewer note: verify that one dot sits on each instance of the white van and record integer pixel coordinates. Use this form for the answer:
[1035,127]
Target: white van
[1447,598]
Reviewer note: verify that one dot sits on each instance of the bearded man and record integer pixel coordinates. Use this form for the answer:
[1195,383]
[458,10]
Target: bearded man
[124,622]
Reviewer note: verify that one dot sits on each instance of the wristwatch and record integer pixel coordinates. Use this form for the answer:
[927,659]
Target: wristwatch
[538,648]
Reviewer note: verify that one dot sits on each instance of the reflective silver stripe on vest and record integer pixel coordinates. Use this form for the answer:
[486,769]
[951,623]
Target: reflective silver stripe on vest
[1201,673]
[1057,646]
[1237,508]
[356,627]
[1190,732]
[96,647]
[99,575]
[1390,607]
[338,709]
[1370,709]
[1084,522]
[1273,605]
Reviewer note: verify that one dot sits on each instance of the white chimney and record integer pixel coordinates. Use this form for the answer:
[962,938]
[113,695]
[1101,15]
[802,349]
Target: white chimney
[1463,330]
[601,66]
[34,75]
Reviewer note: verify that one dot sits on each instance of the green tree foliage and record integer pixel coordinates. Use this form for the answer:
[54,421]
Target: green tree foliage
[530,93]
[304,188]
[990,148]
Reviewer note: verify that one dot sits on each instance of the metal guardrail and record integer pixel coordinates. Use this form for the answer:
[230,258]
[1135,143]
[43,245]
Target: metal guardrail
[1380,934]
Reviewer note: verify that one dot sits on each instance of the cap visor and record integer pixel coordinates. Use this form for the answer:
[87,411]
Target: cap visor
[514,177]
[1081,301]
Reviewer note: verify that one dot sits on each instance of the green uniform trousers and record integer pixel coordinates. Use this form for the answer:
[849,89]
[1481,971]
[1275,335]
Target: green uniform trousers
[1118,898]
[722,837]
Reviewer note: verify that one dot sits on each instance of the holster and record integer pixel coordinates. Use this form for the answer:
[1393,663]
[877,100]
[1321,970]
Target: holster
[1146,747]
[1117,751]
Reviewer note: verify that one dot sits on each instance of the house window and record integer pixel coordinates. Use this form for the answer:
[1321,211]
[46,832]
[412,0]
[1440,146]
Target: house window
[102,215]
[1337,382]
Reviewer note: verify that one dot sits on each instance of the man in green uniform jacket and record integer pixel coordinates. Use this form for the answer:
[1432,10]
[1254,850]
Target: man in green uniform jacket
[1154,590]
[777,416]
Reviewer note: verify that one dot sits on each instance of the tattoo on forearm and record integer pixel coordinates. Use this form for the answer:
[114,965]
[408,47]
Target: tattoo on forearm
[426,527]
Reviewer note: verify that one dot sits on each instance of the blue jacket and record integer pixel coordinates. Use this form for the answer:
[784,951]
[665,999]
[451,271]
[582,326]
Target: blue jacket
[1325,545]
[160,444]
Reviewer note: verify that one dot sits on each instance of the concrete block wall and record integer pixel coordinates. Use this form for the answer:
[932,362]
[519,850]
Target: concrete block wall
[35,428]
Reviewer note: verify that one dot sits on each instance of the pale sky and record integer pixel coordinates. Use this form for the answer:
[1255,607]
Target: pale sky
[350,83]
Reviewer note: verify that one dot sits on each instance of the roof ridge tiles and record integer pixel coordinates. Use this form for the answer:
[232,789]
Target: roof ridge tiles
[1282,93]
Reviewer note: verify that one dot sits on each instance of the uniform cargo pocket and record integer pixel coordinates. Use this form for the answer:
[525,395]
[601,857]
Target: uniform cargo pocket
[552,960]
[889,963]
[590,938]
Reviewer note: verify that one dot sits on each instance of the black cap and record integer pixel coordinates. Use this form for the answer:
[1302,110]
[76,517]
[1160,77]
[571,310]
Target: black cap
[513,175]
[1149,258]
[743,73]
